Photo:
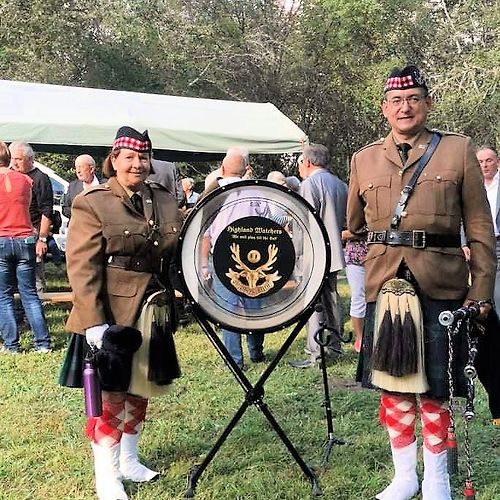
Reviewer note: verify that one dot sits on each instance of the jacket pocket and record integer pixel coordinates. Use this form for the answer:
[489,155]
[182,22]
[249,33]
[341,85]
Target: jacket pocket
[169,234]
[124,240]
[121,286]
[374,251]
[376,193]
[170,228]
[436,193]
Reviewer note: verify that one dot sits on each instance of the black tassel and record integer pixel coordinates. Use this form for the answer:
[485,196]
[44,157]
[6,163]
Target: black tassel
[382,351]
[163,363]
[409,361]
[394,367]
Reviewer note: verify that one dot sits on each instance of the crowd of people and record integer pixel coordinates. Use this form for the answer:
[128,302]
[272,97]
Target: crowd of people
[417,231]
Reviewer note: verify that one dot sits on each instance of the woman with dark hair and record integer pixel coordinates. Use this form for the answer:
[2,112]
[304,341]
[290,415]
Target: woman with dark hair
[121,240]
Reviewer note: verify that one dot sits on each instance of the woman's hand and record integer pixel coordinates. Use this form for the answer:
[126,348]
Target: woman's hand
[94,335]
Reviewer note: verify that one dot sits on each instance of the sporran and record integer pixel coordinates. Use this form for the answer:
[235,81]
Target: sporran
[398,346]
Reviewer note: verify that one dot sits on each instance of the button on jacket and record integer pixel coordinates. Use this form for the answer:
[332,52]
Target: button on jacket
[449,190]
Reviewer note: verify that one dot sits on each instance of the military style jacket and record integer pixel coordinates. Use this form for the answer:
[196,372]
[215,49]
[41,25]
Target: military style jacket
[448,191]
[105,230]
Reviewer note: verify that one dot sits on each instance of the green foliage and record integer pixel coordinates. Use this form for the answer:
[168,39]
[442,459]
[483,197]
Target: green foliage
[323,63]
[464,63]
[61,164]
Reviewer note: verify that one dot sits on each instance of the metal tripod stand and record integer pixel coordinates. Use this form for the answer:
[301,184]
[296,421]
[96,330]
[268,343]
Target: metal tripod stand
[254,395]
[323,336]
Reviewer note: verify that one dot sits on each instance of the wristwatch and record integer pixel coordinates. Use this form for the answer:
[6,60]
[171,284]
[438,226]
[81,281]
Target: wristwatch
[43,239]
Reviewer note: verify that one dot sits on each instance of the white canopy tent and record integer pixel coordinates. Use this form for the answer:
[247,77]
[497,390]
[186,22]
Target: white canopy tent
[56,118]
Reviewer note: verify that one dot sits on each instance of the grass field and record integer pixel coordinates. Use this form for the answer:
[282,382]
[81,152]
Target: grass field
[45,455]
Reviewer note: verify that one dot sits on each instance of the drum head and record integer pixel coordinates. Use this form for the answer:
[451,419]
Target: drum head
[254,256]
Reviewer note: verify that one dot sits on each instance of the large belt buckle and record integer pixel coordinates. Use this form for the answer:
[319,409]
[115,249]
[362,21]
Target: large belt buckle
[419,239]
[376,237]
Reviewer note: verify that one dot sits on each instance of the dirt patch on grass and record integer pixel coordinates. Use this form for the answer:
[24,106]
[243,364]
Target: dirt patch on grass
[344,383]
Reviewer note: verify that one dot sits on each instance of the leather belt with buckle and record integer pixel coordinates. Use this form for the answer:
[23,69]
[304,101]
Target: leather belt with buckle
[139,264]
[415,239]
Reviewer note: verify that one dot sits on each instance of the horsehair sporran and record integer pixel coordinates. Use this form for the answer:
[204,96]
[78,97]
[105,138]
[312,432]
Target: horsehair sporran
[398,359]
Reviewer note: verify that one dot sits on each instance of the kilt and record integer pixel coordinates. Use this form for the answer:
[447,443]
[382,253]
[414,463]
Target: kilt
[156,316]
[71,374]
[435,349]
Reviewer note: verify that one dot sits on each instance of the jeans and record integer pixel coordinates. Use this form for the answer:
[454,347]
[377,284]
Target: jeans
[54,251]
[17,265]
[232,340]
[40,283]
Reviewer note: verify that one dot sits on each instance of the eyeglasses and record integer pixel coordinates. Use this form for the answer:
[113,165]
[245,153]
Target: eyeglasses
[413,100]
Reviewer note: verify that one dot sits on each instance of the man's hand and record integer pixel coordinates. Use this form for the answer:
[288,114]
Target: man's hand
[205,271]
[346,235]
[484,307]
[41,248]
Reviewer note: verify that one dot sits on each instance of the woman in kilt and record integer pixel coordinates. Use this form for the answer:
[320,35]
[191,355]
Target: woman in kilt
[121,240]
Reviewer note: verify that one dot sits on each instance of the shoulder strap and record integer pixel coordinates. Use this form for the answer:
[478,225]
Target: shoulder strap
[410,187]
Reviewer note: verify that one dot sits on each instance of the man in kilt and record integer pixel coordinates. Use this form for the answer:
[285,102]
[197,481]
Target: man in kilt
[415,269]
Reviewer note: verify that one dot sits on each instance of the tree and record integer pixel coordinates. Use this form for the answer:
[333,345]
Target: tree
[464,64]
[323,62]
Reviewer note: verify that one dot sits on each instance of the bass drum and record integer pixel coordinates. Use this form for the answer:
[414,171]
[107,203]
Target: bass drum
[253,256]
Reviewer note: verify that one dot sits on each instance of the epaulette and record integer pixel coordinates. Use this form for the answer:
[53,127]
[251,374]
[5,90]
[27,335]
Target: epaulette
[447,132]
[99,187]
[378,142]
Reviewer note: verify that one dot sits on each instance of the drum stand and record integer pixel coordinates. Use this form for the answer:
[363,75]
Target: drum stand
[254,395]
[322,337]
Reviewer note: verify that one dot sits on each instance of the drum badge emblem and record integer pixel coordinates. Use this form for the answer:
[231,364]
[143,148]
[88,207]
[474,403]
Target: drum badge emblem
[253,282]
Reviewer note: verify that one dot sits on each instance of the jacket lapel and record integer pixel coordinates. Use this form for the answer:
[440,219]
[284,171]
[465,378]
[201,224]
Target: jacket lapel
[148,204]
[416,152]
[497,217]
[118,190]
[391,151]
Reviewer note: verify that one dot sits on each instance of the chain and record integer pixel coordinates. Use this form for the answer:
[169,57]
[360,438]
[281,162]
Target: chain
[468,452]
[469,412]
[451,334]
[452,439]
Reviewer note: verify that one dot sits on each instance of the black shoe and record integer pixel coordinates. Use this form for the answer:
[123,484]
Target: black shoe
[259,359]
[306,363]
[184,320]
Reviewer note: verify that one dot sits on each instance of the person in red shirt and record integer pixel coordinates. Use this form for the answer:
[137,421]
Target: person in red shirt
[17,258]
